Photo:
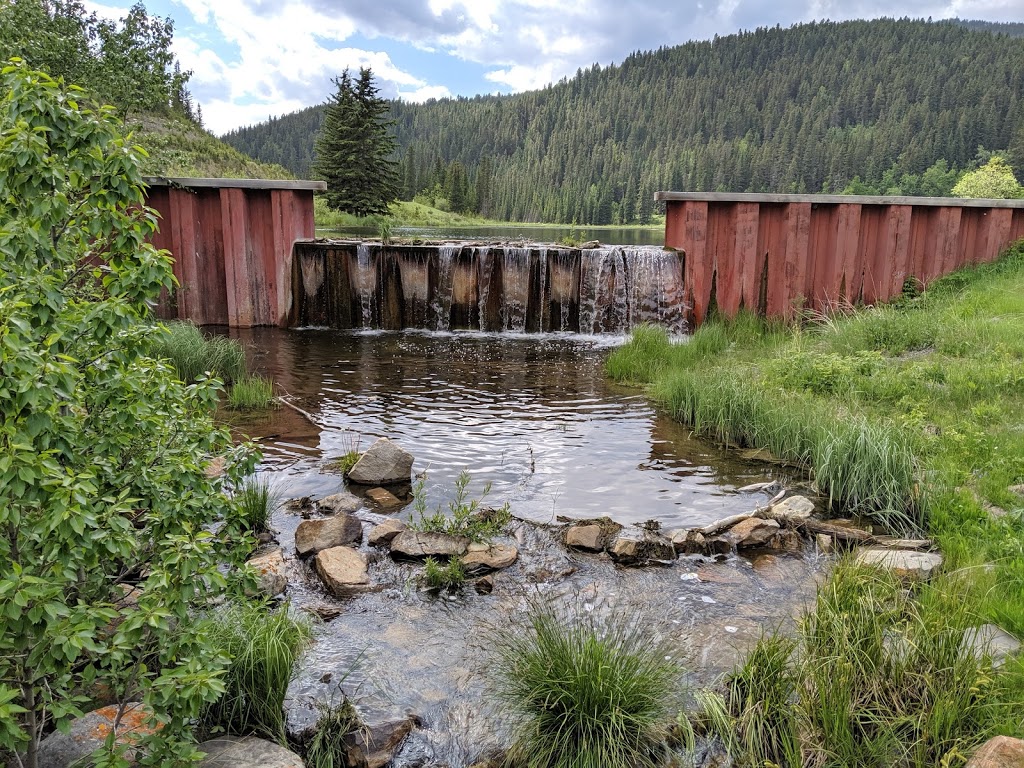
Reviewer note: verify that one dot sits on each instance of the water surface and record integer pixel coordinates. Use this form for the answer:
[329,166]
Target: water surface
[542,234]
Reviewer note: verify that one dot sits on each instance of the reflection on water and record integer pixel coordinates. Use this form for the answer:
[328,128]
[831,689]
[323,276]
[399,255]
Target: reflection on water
[533,416]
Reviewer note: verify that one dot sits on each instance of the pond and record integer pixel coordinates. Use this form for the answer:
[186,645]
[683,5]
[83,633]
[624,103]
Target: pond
[534,417]
[503,233]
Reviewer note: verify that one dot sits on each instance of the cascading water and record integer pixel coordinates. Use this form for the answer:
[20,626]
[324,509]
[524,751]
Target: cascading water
[489,288]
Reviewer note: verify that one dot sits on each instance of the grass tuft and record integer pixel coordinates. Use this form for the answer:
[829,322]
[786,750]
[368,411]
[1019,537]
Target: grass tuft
[251,393]
[464,517]
[257,504]
[328,747]
[263,645]
[193,354]
[450,576]
[583,695]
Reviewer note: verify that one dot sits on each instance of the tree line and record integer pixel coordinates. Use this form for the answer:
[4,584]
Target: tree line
[887,106]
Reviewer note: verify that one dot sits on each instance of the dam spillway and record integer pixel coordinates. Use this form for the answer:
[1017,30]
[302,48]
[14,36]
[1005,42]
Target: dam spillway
[514,288]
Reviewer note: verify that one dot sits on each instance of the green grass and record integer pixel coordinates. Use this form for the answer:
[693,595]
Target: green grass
[583,695]
[448,576]
[402,214]
[465,516]
[263,645]
[257,504]
[251,393]
[194,354]
[328,748]
[876,676]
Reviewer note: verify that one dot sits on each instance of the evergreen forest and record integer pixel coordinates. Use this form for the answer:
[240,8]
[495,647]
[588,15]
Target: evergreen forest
[885,106]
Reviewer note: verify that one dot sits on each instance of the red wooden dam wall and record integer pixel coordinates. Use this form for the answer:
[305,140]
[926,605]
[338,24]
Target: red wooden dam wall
[231,240]
[777,254]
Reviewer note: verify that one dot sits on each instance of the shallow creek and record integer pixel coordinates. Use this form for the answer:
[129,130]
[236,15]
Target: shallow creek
[534,416]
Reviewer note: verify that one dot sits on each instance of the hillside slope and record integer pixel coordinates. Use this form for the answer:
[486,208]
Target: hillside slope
[803,109]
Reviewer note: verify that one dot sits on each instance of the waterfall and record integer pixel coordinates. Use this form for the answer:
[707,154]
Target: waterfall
[489,288]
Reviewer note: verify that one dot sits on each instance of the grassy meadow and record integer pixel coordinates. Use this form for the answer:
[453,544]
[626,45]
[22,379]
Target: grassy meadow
[912,416]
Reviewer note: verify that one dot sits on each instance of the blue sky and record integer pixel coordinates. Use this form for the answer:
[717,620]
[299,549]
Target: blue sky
[252,59]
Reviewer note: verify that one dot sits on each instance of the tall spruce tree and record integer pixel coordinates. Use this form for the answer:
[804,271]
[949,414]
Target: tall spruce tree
[354,149]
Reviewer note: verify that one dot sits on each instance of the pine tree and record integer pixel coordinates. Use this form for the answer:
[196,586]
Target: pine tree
[354,149]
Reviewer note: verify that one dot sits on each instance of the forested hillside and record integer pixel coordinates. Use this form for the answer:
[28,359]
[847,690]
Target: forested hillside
[804,109]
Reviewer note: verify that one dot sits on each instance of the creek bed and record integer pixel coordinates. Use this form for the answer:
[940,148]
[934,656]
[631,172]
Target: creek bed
[535,418]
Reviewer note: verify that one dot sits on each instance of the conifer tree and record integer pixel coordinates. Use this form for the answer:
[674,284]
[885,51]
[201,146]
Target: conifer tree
[354,149]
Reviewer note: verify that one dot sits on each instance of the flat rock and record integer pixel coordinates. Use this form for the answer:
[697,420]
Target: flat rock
[246,752]
[384,462]
[338,503]
[312,536]
[418,544]
[88,733]
[492,558]
[343,570]
[1017,490]
[752,532]
[380,741]
[385,533]
[991,640]
[588,537]
[640,548]
[270,567]
[791,511]
[999,752]
[908,564]
[384,498]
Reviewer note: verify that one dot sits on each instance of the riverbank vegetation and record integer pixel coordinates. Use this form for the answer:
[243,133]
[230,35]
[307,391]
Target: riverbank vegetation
[910,413]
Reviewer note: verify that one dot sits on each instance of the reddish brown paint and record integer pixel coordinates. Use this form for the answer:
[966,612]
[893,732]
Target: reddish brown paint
[232,249]
[824,250]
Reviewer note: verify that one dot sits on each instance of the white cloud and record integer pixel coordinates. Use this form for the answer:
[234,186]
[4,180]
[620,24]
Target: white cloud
[424,93]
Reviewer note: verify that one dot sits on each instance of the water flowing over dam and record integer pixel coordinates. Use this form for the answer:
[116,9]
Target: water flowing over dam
[522,289]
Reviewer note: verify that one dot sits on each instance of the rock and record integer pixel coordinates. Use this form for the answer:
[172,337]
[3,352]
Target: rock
[752,532]
[270,566]
[246,752]
[991,640]
[312,536]
[791,511]
[893,543]
[385,532]
[824,542]
[590,244]
[418,544]
[380,741]
[343,571]
[915,566]
[384,498]
[88,733]
[491,558]
[339,502]
[588,537]
[786,540]
[484,585]
[324,612]
[384,462]
[690,542]
[1017,490]
[999,752]
[769,568]
[639,548]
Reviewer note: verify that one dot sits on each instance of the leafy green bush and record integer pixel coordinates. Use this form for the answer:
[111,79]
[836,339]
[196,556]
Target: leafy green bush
[263,645]
[251,393]
[582,695]
[465,516]
[103,450]
[193,354]
[448,576]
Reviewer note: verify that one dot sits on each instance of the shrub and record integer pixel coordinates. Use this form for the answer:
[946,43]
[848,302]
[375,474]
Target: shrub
[193,355]
[102,449]
[465,517]
[450,576]
[251,393]
[583,695]
[263,645]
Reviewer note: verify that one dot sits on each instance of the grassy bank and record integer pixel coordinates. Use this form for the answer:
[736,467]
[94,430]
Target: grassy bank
[912,414]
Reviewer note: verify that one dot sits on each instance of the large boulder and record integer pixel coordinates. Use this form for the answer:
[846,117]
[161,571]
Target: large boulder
[384,462]
[312,536]
[343,571]
[246,752]
[420,544]
[270,569]
[88,733]
[999,752]
[493,557]
[383,534]
[907,564]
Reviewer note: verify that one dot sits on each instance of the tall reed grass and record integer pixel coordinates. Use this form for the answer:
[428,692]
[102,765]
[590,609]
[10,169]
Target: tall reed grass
[263,645]
[257,503]
[584,695]
[251,393]
[192,353]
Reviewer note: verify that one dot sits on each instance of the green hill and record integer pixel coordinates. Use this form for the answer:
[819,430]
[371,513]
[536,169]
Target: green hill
[803,109]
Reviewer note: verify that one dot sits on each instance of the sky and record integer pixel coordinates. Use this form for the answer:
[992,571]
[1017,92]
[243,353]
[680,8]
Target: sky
[254,59]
